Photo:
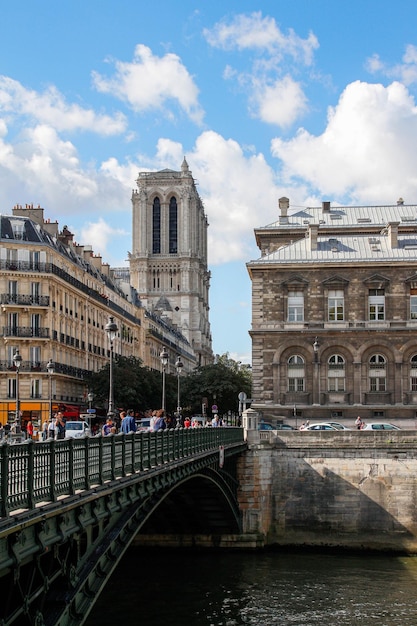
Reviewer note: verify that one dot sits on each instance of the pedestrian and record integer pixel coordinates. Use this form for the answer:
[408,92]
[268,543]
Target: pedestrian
[159,423]
[44,431]
[60,426]
[359,423]
[29,429]
[128,422]
[51,427]
[187,422]
[107,427]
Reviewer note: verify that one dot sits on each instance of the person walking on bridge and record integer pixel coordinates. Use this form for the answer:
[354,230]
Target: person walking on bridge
[128,423]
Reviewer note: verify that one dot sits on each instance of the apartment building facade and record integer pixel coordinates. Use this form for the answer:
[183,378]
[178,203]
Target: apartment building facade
[334,313]
[56,298]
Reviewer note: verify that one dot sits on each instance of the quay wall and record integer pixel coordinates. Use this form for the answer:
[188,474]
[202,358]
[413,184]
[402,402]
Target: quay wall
[351,489]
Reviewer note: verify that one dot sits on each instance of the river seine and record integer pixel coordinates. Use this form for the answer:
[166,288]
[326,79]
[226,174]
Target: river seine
[262,589]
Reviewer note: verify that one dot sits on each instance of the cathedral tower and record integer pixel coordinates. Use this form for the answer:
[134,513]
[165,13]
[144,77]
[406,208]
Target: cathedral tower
[168,262]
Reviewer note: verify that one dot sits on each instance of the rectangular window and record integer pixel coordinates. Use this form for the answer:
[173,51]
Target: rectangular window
[35,388]
[295,384]
[413,304]
[11,387]
[336,304]
[336,384]
[376,303]
[377,384]
[295,306]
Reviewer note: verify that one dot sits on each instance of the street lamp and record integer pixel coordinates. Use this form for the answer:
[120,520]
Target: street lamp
[17,362]
[164,361]
[111,330]
[179,365]
[90,398]
[50,366]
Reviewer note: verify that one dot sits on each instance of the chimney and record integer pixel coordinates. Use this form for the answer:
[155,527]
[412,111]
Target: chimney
[400,202]
[313,230]
[325,206]
[393,234]
[284,205]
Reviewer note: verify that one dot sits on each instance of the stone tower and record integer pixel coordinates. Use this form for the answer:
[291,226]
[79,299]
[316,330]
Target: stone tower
[168,262]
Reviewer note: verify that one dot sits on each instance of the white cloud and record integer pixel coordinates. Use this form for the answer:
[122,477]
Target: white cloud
[150,82]
[274,96]
[98,234]
[280,103]
[50,108]
[260,33]
[367,152]
[405,72]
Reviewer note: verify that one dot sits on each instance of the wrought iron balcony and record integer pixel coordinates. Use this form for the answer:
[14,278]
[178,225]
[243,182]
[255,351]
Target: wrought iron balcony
[24,300]
[25,331]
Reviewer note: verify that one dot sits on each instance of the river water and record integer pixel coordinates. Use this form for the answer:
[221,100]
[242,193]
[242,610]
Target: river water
[175,588]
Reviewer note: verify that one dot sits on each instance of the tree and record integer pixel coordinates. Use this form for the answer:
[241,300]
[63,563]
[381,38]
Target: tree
[219,384]
[134,386]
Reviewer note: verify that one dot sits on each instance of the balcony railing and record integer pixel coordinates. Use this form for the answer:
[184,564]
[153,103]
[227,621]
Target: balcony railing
[24,300]
[31,366]
[25,331]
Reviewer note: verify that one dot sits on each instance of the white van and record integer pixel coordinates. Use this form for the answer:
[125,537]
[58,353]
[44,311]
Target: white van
[77,429]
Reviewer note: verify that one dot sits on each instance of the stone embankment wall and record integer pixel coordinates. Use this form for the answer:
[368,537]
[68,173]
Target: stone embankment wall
[351,489]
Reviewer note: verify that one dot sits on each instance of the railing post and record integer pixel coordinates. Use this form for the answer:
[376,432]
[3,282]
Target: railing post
[52,493]
[4,484]
[71,466]
[87,448]
[30,476]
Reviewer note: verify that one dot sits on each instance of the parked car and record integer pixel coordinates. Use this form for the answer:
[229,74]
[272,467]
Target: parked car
[77,429]
[265,426]
[320,426]
[380,426]
[338,426]
[283,427]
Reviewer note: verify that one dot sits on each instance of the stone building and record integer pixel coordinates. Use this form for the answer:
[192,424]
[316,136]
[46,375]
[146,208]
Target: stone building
[334,313]
[168,262]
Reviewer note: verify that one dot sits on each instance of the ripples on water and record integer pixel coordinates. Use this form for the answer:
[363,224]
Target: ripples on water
[262,589]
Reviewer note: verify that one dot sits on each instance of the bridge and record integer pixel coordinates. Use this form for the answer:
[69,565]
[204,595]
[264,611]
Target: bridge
[70,509]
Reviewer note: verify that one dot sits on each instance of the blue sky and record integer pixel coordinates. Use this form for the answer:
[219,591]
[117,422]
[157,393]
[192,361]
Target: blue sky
[310,99]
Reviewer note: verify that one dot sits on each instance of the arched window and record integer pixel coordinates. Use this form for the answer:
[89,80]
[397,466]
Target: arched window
[377,373]
[336,373]
[296,373]
[173,226]
[413,373]
[156,226]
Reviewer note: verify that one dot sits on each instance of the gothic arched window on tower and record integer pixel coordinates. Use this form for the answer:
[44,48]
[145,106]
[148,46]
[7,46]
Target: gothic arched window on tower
[156,226]
[173,226]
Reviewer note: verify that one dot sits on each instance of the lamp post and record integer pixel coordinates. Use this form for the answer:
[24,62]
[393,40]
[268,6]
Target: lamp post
[17,362]
[316,394]
[164,361]
[179,365]
[111,330]
[90,398]
[50,366]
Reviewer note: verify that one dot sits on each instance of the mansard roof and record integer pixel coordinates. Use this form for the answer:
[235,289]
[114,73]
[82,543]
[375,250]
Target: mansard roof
[344,249]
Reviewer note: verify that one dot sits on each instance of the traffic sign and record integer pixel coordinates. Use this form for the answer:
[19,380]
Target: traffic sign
[91,410]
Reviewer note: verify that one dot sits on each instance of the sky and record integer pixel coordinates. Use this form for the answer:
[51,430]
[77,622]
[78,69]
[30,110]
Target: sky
[310,99]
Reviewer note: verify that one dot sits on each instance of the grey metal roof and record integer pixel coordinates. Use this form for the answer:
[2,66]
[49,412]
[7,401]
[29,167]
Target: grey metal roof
[347,216]
[344,249]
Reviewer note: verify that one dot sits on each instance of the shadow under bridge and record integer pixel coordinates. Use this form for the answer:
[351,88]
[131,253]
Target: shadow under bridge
[56,556]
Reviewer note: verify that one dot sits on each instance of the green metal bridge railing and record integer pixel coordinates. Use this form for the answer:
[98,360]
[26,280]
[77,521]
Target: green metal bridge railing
[32,473]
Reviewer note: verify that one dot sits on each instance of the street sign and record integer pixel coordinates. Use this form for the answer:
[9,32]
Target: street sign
[242,396]
[91,410]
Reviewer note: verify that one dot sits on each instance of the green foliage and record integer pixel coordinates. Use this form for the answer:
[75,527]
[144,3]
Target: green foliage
[140,388]
[219,383]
